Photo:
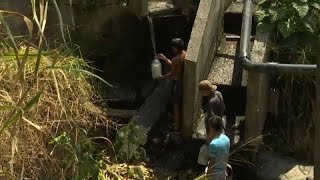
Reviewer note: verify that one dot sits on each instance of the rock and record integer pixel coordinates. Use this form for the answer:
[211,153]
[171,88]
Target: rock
[272,166]
[298,172]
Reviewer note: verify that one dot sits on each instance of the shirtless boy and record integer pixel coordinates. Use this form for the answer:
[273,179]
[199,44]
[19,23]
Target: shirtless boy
[176,73]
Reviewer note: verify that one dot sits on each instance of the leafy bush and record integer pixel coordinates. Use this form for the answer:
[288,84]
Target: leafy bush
[129,142]
[288,16]
[77,157]
[295,29]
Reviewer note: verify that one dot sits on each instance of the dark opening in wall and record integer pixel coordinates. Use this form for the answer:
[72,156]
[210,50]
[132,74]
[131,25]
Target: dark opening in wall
[233,23]
[235,98]
[169,27]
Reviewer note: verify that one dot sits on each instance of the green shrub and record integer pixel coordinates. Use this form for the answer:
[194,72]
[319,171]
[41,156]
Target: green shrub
[295,29]
[129,142]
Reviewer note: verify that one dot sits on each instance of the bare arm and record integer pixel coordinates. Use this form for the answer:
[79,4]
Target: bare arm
[168,61]
[173,69]
[164,58]
[210,171]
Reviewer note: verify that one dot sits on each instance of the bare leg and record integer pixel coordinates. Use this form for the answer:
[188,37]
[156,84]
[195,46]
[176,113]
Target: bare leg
[176,116]
[171,114]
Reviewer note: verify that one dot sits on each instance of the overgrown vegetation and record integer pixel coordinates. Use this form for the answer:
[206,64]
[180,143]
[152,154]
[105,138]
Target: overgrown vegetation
[129,142]
[49,110]
[295,28]
[46,96]
[35,110]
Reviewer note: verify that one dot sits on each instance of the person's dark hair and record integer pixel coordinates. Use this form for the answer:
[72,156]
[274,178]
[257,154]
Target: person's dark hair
[177,43]
[216,123]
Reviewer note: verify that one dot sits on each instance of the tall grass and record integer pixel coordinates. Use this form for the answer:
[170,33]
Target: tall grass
[42,94]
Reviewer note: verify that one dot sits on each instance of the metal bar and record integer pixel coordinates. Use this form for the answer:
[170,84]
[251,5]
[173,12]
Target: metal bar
[277,68]
[228,37]
[270,67]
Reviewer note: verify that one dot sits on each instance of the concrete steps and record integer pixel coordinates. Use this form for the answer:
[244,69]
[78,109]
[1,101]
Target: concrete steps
[225,70]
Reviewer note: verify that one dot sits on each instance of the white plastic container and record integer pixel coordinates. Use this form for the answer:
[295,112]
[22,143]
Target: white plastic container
[156,68]
[203,157]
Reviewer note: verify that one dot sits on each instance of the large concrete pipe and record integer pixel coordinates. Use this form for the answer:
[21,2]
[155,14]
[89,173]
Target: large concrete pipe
[116,40]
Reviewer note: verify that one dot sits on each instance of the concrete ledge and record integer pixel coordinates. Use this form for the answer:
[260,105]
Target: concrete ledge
[235,7]
[225,65]
[119,113]
[156,6]
[154,107]
[205,36]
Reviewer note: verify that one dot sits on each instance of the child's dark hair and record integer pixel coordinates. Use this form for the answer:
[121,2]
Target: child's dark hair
[216,123]
[178,43]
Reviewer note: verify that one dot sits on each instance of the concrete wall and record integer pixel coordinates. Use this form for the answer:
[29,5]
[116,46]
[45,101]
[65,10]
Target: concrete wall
[257,89]
[68,12]
[140,8]
[24,7]
[205,36]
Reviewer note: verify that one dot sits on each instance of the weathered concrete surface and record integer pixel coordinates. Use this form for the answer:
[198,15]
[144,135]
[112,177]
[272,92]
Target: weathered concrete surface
[139,7]
[225,69]
[235,7]
[201,50]
[272,166]
[224,66]
[257,90]
[155,106]
[156,6]
[122,56]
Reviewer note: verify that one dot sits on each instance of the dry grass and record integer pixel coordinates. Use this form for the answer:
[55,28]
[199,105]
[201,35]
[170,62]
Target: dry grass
[66,103]
[42,94]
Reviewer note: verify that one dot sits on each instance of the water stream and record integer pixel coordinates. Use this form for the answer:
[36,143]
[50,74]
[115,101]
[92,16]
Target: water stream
[153,39]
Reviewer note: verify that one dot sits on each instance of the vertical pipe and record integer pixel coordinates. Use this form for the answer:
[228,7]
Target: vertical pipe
[317,126]
[246,29]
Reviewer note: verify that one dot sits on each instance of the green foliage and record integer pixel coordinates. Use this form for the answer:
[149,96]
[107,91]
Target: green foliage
[295,29]
[77,157]
[288,16]
[129,140]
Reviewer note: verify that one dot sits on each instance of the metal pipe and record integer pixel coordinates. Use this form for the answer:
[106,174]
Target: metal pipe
[317,127]
[268,67]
